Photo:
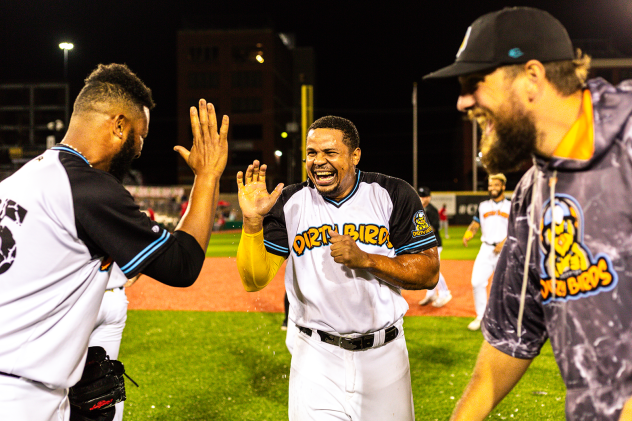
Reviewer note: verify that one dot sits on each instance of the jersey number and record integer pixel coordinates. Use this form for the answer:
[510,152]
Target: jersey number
[8,248]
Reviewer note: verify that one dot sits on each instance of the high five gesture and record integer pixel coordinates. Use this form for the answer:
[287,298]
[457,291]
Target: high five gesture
[254,200]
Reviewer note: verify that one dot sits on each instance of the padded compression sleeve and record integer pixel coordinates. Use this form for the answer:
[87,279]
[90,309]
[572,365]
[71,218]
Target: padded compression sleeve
[180,264]
[256,266]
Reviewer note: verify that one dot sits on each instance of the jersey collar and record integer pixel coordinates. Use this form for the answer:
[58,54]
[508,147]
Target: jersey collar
[347,197]
[61,147]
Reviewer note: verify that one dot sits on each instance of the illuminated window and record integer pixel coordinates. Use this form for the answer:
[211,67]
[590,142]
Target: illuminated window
[247,54]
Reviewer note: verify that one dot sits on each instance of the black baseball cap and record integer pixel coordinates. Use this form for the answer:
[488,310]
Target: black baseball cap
[512,35]
[424,192]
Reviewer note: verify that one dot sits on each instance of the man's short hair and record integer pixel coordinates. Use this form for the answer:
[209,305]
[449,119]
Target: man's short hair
[110,84]
[566,76]
[498,176]
[350,135]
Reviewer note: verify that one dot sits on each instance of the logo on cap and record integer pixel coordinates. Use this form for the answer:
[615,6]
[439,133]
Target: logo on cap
[515,53]
[464,43]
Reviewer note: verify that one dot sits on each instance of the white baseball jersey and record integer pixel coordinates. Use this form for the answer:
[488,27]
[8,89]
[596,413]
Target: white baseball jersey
[493,217]
[383,214]
[62,223]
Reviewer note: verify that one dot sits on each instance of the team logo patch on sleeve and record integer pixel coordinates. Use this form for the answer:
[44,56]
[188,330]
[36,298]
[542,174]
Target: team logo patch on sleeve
[577,273]
[422,227]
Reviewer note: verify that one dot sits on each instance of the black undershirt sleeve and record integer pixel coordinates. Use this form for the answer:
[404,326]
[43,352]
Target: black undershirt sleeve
[179,265]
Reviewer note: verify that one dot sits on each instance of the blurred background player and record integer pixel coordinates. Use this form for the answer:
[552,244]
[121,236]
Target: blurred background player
[492,218]
[443,220]
[108,330]
[439,295]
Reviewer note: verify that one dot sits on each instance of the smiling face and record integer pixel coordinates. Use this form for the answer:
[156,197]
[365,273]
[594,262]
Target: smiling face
[330,164]
[509,135]
[496,189]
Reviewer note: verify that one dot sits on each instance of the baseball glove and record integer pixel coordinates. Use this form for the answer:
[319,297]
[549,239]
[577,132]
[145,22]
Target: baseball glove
[100,388]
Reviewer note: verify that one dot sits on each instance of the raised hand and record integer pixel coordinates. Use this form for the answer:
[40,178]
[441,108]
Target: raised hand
[254,200]
[345,250]
[209,152]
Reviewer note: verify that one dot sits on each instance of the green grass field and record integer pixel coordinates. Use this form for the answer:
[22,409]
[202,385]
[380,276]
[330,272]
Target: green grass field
[235,366]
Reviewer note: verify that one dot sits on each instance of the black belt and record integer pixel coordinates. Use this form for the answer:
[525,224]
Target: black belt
[10,375]
[491,244]
[112,289]
[352,344]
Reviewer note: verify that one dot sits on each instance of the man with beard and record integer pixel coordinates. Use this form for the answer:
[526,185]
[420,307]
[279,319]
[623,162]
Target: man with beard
[353,240]
[491,218]
[67,221]
[524,83]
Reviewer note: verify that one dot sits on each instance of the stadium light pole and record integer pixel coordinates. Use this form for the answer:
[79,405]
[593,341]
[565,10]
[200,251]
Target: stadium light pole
[415,135]
[66,46]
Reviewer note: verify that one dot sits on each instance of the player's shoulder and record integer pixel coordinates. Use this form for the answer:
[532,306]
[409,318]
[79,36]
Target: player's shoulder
[485,202]
[91,186]
[521,197]
[289,191]
[391,184]
[289,194]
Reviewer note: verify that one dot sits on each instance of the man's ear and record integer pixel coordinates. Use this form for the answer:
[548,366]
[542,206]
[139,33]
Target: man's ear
[119,124]
[535,79]
[356,156]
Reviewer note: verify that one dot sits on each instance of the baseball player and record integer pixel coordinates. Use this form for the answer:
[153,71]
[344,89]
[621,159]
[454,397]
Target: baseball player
[353,240]
[440,295]
[564,272]
[443,220]
[65,219]
[491,218]
[108,330]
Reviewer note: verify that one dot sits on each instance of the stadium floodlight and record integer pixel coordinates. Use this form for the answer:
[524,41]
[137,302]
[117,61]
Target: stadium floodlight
[66,46]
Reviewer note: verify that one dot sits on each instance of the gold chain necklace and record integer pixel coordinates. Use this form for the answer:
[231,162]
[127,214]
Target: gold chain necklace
[76,150]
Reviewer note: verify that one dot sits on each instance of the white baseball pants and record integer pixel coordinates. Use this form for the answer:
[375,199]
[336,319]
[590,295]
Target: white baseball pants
[108,330]
[484,266]
[328,383]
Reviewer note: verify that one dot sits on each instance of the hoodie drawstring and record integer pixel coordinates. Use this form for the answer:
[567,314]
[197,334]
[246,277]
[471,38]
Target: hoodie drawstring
[551,262]
[525,275]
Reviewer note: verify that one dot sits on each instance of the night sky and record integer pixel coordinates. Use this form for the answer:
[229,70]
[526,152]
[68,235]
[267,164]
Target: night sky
[368,55]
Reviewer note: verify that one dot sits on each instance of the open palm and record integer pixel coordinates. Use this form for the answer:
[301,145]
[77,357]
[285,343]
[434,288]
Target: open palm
[254,200]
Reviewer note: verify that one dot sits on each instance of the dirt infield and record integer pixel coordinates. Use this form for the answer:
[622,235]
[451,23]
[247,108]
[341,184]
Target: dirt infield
[219,289]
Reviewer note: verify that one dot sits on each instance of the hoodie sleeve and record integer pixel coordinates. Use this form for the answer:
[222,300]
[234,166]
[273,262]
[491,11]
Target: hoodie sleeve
[500,323]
